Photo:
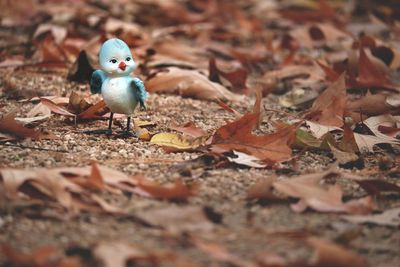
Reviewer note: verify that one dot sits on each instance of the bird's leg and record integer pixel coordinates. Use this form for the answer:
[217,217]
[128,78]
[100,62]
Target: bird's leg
[128,124]
[109,130]
[128,132]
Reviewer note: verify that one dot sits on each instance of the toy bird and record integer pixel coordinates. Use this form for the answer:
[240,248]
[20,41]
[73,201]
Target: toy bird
[121,92]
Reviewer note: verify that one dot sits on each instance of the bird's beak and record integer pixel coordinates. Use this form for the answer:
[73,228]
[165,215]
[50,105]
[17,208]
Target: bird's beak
[122,66]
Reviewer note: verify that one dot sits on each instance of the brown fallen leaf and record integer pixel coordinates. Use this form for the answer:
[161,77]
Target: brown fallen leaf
[42,257]
[324,199]
[77,107]
[220,253]
[332,255]
[373,105]
[15,130]
[376,186]
[237,77]
[188,128]
[390,217]
[189,83]
[177,219]
[262,190]
[328,109]
[237,135]
[118,253]
[370,75]
[322,12]
[73,188]
[175,191]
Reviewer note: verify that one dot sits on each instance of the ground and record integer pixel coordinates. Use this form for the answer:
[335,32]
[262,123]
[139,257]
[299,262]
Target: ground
[249,229]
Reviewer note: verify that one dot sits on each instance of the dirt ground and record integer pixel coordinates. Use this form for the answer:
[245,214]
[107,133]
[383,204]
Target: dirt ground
[249,229]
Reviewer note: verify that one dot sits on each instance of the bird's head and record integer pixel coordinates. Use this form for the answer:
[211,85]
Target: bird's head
[116,58]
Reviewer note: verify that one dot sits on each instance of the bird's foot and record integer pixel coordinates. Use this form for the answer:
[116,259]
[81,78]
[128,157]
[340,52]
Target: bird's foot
[99,131]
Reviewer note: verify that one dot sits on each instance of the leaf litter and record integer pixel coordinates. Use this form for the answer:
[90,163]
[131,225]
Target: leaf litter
[299,55]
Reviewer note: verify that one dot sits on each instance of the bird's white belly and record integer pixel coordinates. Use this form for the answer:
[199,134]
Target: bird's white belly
[119,96]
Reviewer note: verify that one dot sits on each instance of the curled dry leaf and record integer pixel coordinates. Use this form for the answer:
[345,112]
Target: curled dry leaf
[371,75]
[177,219]
[75,188]
[269,148]
[16,130]
[117,254]
[376,186]
[300,75]
[376,124]
[373,105]
[188,128]
[189,83]
[319,34]
[172,142]
[328,109]
[262,190]
[175,191]
[77,107]
[220,253]
[41,257]
[319,130]
[331,254]
[236,77]
[390,217]
[324,199]
[297,98]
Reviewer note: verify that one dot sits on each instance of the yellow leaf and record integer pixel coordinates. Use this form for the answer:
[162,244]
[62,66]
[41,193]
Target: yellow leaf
[174,142]
[143,133]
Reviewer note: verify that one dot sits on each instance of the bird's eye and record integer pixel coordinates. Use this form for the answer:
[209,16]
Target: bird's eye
[113,61]
[128,59]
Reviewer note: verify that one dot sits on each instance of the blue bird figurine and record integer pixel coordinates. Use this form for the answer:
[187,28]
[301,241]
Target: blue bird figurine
[121,92]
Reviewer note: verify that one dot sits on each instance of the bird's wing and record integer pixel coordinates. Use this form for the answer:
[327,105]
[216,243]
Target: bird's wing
[98,77]
[140,91]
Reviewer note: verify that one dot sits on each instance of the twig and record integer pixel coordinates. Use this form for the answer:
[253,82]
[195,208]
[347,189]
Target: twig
[37,148]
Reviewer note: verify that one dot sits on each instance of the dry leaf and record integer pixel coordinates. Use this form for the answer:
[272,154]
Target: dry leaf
[237,77]
[237,135]
[373,105]
[177,219]
[319,130]
[375,186]
[245,159]
[43,257]
[262,190]
[370,75]
[172,142]
[71,187]
[189,83]
[117,254]
[188,128]
[366,143]
[328,109]
[10,126]
[220,253]
[77,107]
[175,191]
[332,255]
[325,199]
[390,217]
